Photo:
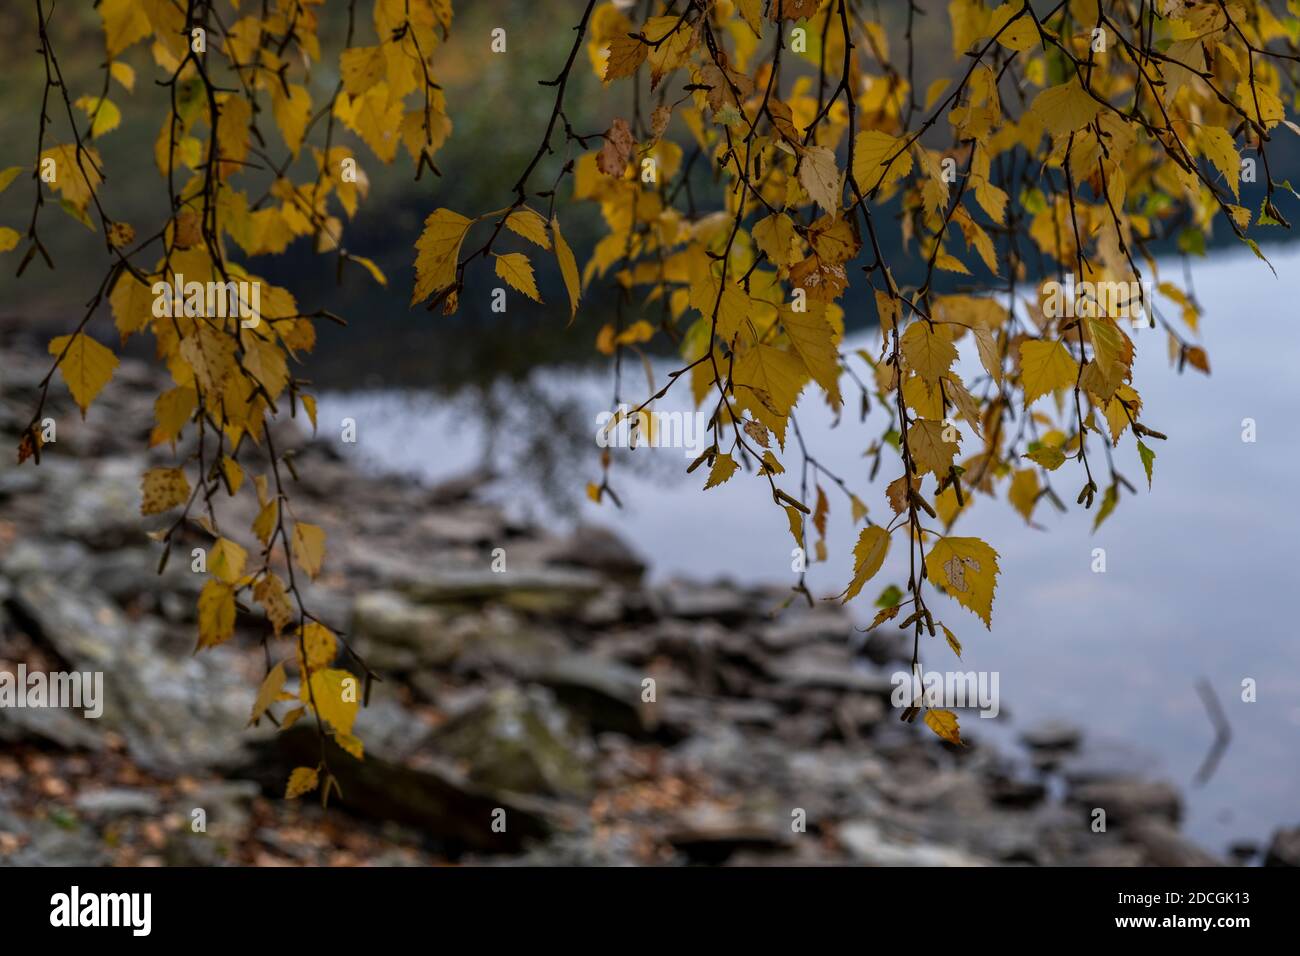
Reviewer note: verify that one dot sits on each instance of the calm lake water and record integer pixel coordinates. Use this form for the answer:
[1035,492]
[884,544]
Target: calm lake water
[1201,575]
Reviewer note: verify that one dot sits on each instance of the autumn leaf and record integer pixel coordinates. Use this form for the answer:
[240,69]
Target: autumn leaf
[517,271]
[162,489]
[227,561]
[524,222]
[320,646]
[775,235]
[301,780]
[967,569]
[822,178]
[271,691]
[625,55]
[437,251]
[1045,366]
[868,555]
[335,696]
[568,268]
[614,155]
[86,366]
[216,614]
[872,151]
[309,547]
[944,724]
[724,466]
[269,591]
[1064,109]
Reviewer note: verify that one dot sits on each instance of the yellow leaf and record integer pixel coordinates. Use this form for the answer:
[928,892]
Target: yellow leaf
[309,547]
[530,225]
[270,691]
[1045,366]
[292,113]
[163,489]
[75,177]
[216,613]
[724,466]
[265,522]
[812,337]
[172,410]
[952,640]
[122,72]
[1064,109]
[320,645]
[86,366]
[437,251]
[1217,145]
[350,744]
[944,723]
[125,22]
[625,55]
[1023,493]
[369,265]
[336,699]
[752,11]
[931,451]
[967,569]
[362,67]
[1048,456]
[8,175]
[228,560]
[871,150]
[868,555]
[302,780]
[568,268]
[103,113]
[234,474]
[517,271]
[930,354]
[8,238]
[770,380]
[270,593]
[775,235]
[822,179]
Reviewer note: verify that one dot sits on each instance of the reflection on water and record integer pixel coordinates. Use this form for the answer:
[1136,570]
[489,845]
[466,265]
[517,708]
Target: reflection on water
[1200,578]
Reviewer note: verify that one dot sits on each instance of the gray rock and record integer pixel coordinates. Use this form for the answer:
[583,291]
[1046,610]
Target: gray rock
[1052,735]
[67,728]
[1163,845]
[797,627]
[117,802]
[599,549]
[883,648]
[536,590]
[711,835]
[606,693]
[1284,850]
[1127,801]
[807,670]
[429,794]
[177,711]
[394,633]
[519,741]
[694,602]
[866,842]
[102,508]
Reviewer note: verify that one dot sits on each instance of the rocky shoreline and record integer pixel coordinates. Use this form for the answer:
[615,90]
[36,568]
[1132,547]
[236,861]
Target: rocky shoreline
[513,695]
